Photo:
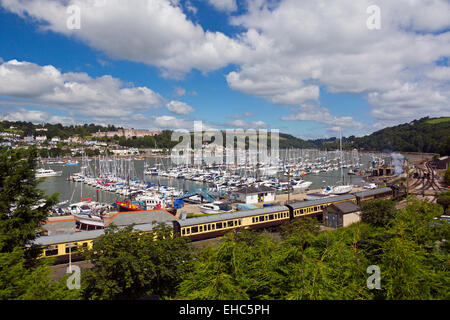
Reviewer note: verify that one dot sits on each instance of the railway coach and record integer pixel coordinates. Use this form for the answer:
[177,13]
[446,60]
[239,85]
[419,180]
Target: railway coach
[217,225]
[314,208]
[368,195]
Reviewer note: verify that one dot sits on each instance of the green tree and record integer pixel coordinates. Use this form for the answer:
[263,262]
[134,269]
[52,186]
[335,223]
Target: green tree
[23,207]
[18,282]
[378,212]
[129,265]
[447,177]
[238,268]
[444,200]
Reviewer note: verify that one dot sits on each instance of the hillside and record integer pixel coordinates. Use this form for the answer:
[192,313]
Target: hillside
[425,135]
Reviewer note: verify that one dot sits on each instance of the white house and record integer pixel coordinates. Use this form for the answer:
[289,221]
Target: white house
[41,138]
[254,195]
[55,140]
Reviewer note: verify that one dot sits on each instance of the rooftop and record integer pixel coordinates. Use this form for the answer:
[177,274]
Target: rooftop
[345,207]
[250,190]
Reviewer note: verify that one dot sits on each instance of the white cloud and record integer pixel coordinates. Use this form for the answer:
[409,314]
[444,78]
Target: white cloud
[324,116]
[224,5]
[238,123]
[310,44]
[47,86]
[289,49]
[155,32]
[170,122]
[179,107]
[37,116]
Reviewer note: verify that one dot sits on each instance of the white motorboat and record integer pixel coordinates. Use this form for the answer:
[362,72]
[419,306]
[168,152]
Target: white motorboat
[215,207]
[45,173]
[341,189]
[300,185]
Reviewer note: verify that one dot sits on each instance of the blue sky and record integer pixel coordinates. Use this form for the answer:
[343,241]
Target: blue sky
[287,65]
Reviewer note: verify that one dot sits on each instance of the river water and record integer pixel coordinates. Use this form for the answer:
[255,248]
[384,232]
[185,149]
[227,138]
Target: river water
[74,191]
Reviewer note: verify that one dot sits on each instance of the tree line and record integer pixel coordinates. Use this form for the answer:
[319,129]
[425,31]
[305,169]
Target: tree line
[431,135]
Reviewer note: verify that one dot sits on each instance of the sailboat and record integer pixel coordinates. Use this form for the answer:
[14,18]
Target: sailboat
[343,188]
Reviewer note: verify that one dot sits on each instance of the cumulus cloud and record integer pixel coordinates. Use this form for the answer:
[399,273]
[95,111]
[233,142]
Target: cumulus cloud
[287,51]
[179,107]
[47,86]
[299,46]
[37,116]
[241,124]
[224,5]
[324,116]
[155,32]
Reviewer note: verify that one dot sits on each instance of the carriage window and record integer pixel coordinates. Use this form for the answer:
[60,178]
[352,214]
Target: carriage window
[253,220]
[213,226]
[271,217]
[201,228]
[230,223]
[239,222]
[188,230]
[71,248]
[85,244]
[209,227]
[53,251]
[219,225]
[194,229]
[183,232]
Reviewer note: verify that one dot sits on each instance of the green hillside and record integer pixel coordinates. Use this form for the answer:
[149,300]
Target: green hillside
[425,135]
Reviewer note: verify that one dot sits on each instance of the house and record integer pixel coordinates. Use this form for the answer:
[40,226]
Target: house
[55,140]
[254,195]
[41,138]
[76,140]
[341,214]
[28,139]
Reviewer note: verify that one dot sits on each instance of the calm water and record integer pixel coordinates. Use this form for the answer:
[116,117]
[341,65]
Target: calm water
[74,191]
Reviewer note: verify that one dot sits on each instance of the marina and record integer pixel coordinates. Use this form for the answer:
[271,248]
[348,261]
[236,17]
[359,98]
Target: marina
[93,189]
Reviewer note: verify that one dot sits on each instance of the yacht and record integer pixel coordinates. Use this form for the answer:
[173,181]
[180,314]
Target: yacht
[300,184]
[44,173]
[215,207]
[341,189]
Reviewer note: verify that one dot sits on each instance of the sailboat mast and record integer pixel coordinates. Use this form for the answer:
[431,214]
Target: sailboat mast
[340,147]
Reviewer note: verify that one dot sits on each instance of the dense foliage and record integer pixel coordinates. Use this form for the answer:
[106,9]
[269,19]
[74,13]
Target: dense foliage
[424,135]
[411,252]
[54,130]
[22,205]
[129,265]
[22,209]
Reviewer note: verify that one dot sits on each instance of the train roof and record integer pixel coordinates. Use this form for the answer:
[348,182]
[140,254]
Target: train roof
[230,216]
[86,235]
[309,203]
[368,193]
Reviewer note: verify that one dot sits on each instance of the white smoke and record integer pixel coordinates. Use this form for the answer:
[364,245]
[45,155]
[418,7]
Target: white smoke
[397,163]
